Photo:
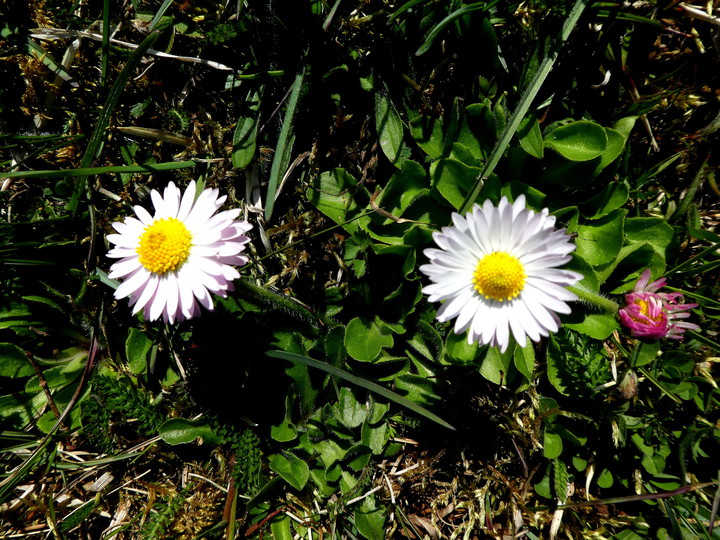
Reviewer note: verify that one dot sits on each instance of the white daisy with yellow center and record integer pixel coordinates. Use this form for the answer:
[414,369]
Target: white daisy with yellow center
[497,273]
[171,262]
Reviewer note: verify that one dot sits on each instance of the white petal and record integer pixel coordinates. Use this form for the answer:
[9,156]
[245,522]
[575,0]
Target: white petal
[156,307]
[124,267]
[132,283]
[148,293]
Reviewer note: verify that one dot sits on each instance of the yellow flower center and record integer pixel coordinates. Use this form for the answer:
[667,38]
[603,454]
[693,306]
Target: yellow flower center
[645,310]
[499,276]
[164,245]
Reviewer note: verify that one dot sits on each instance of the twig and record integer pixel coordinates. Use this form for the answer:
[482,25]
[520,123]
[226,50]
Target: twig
[695,13]
[42,382]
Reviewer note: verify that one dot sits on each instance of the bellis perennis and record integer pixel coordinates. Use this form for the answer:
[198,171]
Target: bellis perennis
[496,270]
[171,261]
[653,315]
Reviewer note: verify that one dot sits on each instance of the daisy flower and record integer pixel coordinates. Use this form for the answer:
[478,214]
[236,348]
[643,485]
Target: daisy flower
[653,315]
[497,273]
[170,262]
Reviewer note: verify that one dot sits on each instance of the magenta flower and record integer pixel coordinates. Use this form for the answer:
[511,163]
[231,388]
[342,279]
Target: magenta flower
[653,315]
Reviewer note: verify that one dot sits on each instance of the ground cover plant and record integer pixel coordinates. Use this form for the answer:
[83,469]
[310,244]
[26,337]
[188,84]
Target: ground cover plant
[359,269]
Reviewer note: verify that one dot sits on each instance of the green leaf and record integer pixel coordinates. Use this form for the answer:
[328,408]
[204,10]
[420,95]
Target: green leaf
[330,452]
[428,134]
[605,479]
[496,365]
[368,385]
[552,443]
[182,431]
[365,339]
[612,197]
[13,362]
[543,487]
[280,528]
[376,437]
[476,135]
[453,179]
[426,341]
[418,388]
[458,350]
[339,196]
[370,519]
[285,431]
[530,136]
[645,353]
[68,366]
[524,360]
[137,347]
[348,411]
[245,136]
[358,457]
[652,231]
[389,128]
[599,241]
[578,141]
[293,469]
[615,145]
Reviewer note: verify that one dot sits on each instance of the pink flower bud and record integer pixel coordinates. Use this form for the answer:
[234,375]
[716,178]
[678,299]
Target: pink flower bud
[653,315]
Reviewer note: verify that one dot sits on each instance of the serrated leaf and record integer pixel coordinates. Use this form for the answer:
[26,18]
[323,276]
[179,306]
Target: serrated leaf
[560,480]
[330,452]
[376,437]
[418,389]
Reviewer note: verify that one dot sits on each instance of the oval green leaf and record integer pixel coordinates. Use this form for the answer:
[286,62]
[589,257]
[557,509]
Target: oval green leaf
[364,339]
[578,141]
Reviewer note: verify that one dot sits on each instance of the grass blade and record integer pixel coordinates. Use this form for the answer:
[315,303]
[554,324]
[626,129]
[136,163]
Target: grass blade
[160,12]
[359,381]
[98,136]
[105,47]
[524,103]
[90,171]
[284,145]
[433,34]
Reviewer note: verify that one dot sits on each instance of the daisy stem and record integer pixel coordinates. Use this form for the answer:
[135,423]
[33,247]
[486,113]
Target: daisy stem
[594,298]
